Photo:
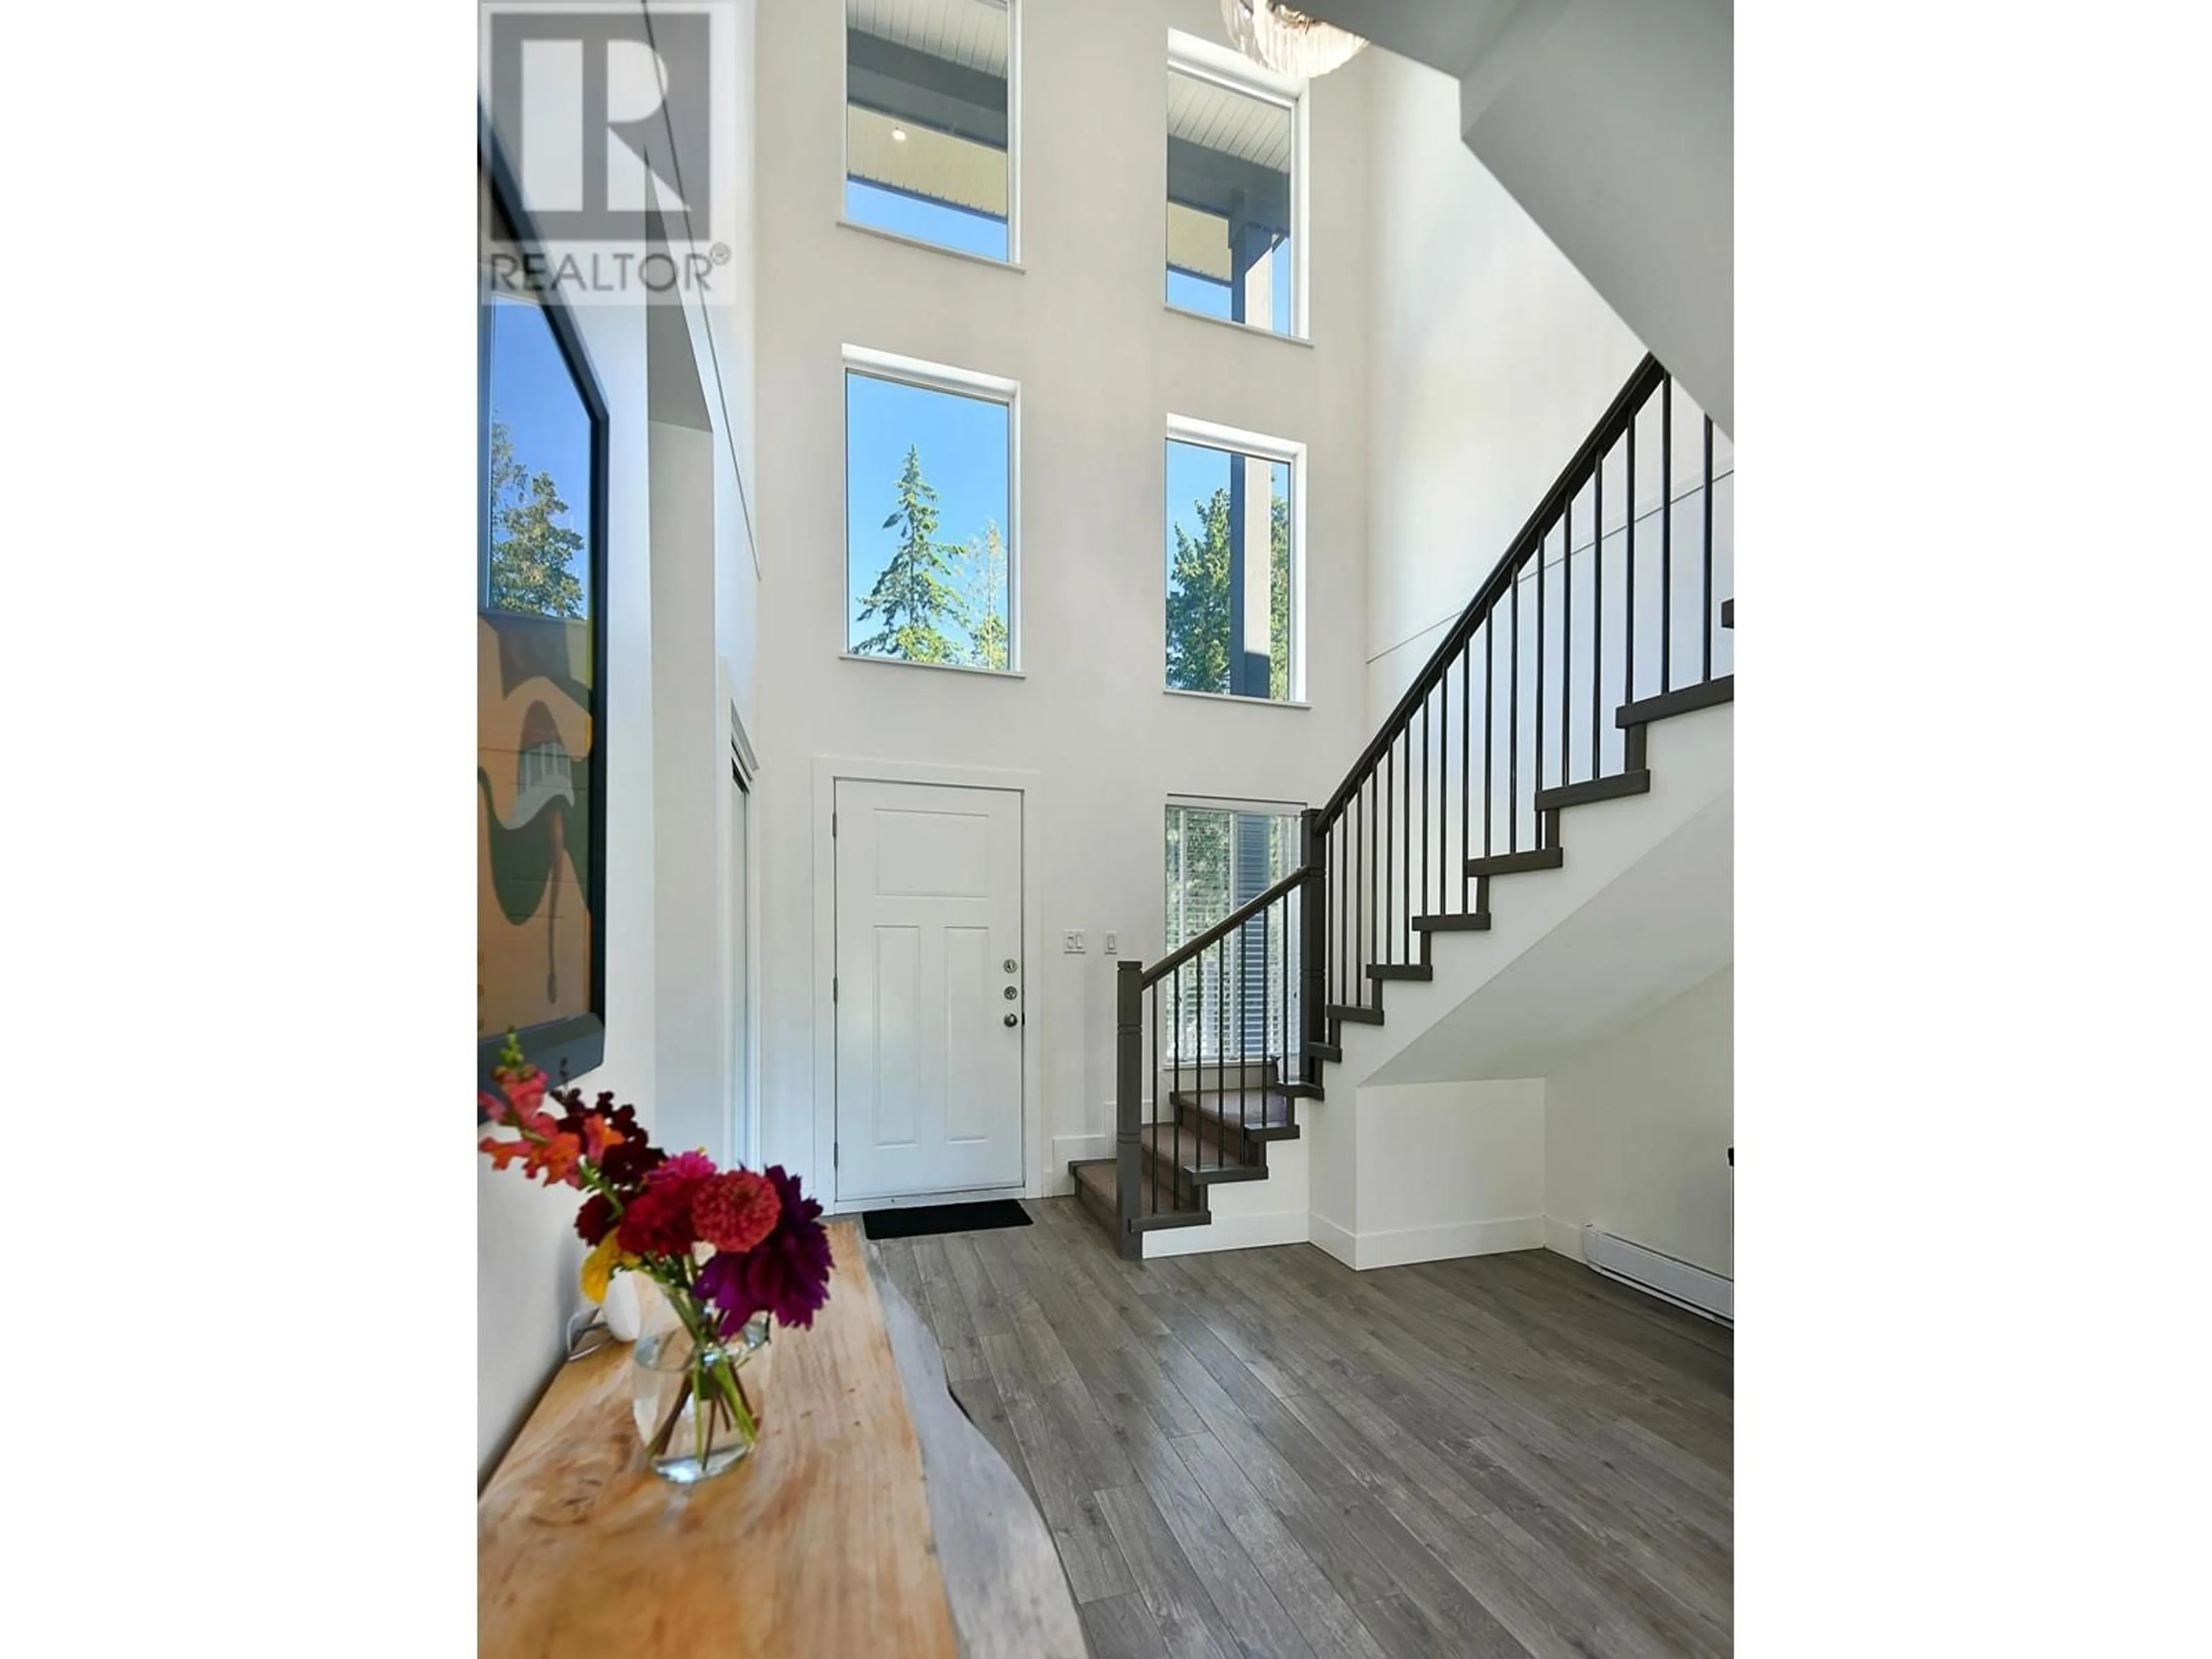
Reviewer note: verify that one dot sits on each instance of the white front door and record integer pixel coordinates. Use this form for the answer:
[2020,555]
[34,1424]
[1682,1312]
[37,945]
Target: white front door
[929,988]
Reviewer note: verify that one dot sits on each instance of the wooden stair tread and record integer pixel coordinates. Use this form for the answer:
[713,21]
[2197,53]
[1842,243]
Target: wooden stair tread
[1471,921]
[1266,1115]
[1509,863]
[1197,1150]
[1637,782]
[1156,1206]
[1355,1013]
[1415,970]
[1681,701]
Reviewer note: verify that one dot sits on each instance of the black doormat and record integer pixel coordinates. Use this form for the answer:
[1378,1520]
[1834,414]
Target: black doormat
[922,1220]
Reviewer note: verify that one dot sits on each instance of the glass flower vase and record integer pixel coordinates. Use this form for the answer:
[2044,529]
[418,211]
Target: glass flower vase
[697,1405]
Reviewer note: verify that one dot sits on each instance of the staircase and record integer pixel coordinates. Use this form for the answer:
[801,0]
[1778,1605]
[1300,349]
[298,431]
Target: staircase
[1599,622]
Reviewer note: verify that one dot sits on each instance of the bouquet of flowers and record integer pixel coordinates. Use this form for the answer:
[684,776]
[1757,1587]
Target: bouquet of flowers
[727,1248]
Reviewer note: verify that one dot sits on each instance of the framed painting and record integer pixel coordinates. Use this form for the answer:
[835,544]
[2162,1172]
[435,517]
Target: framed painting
[541,654]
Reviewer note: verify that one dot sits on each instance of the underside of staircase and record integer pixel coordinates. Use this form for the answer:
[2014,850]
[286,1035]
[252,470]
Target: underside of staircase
[1222,1134]
[1555,688]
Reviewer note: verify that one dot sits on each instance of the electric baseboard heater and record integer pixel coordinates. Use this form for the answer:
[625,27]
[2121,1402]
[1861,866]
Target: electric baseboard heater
[1663,1276]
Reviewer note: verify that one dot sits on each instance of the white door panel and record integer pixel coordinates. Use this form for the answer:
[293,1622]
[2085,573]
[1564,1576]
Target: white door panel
[929,1072]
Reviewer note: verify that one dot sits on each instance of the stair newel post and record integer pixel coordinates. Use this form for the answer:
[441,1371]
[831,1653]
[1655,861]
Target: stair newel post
[1128,1100]
[1313,944]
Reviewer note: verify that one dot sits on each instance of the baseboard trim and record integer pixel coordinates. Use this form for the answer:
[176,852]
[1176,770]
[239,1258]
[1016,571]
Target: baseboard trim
[1058,1183]
[1229,1232]
[1339,1241]
[1563,1236]
[1401,1246]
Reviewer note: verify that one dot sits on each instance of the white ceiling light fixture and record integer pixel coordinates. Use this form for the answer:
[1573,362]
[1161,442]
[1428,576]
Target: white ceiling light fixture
[1287,41]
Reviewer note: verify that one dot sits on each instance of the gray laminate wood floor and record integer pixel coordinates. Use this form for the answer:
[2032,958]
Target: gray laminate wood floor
[1263,1452]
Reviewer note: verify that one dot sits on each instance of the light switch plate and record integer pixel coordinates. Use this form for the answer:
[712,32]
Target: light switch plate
[1072,941]
[1112,943]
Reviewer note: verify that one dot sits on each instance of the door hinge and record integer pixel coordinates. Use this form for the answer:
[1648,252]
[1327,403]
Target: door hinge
[833,826]
[833,987]
[833,1154]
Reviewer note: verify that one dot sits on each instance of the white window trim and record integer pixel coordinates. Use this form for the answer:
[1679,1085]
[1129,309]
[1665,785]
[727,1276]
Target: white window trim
[1182,429]
[1014,143]
[967,383]
[1224,67]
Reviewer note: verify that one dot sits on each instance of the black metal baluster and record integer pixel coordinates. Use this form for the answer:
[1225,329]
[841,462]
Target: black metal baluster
[1628,595]
[1371,857]
[1175,1089]
[1567,637]
[1706,615]
[1222,1058]
[1389,806]
[1513,727]
[1405,936]
[1465,756]
[1667,534]
[1597,601]
[1489,715]
[1155,1079]
[1543,580]
[1423,831]
[1288,1075]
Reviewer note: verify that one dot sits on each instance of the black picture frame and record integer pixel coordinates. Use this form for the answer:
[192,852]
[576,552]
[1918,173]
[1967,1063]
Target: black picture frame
[572,1045]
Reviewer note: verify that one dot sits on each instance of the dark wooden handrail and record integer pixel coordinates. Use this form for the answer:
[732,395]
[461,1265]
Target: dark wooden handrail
[1157,971]
[1463,781]
[1618,417]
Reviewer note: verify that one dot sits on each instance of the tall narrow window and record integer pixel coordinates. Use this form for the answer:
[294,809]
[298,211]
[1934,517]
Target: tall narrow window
[541,655]
[930,543]
[929,121]
[1219,857]
[1233,532]
[1234,166]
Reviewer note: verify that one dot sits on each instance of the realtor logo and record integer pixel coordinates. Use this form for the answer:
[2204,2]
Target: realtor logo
[610,120]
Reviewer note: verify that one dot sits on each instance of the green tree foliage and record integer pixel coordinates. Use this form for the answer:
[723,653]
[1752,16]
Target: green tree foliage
[533,550]
[1197,600]
[914,595]
[981,608]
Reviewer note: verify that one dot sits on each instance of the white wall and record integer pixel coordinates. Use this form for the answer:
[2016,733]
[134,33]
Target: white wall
[1102,365]
[1437,1169]
[663,828]
[1637,1131]
[1491,357]
[1612,122]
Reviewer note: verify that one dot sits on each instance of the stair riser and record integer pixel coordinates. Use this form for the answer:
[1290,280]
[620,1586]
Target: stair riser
[1100,1211]
[1233,1145]
[1187,1189]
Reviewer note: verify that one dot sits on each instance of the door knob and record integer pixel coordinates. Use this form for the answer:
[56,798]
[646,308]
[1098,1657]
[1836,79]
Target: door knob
[1013,1019]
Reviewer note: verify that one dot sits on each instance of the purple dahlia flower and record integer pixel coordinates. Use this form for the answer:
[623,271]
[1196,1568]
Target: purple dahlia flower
[787,1274]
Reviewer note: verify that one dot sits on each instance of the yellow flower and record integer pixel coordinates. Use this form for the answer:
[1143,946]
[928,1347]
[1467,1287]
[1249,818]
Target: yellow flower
[606,1260]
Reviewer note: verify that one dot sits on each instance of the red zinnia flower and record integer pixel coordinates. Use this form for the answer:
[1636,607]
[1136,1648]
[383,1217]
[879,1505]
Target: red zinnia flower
[658,1221]
[786,1275]
[735,1211]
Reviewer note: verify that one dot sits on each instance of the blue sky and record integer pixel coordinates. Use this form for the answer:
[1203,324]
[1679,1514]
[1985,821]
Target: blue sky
[533,394]
[964,444]
[931,222]
[1195,472]
[1204,295]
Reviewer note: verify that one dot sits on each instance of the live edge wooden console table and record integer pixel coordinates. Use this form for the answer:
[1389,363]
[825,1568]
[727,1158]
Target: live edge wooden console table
[874,1518]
